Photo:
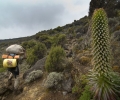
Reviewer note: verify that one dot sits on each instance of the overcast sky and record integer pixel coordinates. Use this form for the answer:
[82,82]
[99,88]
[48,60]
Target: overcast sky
[20,18]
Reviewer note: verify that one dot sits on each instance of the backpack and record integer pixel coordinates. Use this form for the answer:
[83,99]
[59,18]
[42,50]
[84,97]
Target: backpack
[10,60]
[15,52]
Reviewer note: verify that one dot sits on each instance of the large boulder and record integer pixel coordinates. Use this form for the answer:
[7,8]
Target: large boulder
[33,76]
[4,89]
[39,65]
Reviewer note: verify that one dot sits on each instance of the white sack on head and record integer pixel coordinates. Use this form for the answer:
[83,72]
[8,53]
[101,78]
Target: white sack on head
[16,49]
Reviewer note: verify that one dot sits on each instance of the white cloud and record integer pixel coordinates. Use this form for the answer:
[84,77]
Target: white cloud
[26,17]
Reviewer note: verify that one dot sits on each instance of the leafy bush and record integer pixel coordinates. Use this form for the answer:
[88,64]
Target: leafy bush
[53,79]
[31,58]
[43,37]
[2,69]
[33,75]
[39,50]
[80,82]
[86,94]
[48,42]
[35,53]
[59,29]
[54,59]
[59,39]
[51,32]
[71,32]
[29,44]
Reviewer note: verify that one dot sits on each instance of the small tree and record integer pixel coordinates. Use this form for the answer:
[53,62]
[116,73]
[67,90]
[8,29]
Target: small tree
[39,50]
[54,59]
[31,58]
[35,53]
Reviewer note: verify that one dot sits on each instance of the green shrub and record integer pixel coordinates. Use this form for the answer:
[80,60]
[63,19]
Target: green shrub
[48,42]
[80,82]
[59,29]
[51,32]
[2,69]
[43,37]
[31,58]
[54,59]
[24,44]
[59,39]
[37,52]
[86,94]
[29,44]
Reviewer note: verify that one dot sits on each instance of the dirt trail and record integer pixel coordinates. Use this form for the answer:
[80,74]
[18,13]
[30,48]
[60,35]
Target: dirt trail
[36,91]
[31,91]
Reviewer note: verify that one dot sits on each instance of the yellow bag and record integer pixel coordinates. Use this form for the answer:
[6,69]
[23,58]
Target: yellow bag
[9,63]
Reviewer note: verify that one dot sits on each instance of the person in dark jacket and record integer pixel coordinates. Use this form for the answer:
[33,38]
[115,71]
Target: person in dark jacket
[14,72]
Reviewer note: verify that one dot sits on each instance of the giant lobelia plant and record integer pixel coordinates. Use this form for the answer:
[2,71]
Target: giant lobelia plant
[103,81]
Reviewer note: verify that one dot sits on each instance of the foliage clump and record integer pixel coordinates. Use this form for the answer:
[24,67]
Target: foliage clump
[29,44]
[2,69]
[86,94]
[46,39]
[59,39]
[80,83]
[36,52]
[54,59]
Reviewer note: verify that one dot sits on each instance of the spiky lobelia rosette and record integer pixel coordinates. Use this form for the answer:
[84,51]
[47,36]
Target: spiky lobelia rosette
[100,41]
[101,80]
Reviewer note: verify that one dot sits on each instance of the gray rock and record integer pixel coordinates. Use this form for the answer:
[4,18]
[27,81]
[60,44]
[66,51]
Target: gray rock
[64,93]
[39,65]
[67,84]
[2,90]
[33,76]
[53,80]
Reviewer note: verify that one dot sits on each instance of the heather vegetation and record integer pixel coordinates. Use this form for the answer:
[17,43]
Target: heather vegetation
[54,59]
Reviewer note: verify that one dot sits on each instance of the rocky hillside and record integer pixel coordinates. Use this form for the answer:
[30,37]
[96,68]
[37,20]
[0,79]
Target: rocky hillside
[67,84]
